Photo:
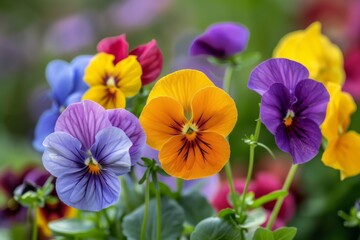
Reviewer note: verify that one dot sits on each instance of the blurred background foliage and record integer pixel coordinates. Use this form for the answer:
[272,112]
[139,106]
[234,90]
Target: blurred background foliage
[32,33]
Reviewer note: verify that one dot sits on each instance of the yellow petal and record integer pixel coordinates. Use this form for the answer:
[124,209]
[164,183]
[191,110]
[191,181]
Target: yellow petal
[128,72]
[182,86]
[214,110]
[108,97]
[314,50]
[343,154]
[199,158]
[341,106]
[100,67]
[162,118]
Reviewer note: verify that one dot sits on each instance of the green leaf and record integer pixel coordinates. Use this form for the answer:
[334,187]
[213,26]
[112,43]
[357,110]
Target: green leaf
[196,207]
[75,228]
[172,218]
[215,228]
[285,233]
[255,218]
[263,234]
[268,198]
[224,213]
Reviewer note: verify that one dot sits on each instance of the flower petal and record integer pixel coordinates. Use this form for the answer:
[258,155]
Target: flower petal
[63,154]
[99,68]
[274,106]
[83,121]
[116,46]
[111,150]
[162,118]
[128,71]
[151,60]
[89,192]
[182,86]
[195,159]
[60,76]
[79,65]
[108,97]
[44,127]
[312,99]
[129,123]
[214,110]
[343,154]
[221,40]
[277,70]
[302,139]
[339,110]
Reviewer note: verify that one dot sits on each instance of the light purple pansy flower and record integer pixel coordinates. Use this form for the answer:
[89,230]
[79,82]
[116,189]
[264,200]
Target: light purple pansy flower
[87,154]
[292,106]
[208,187]
[221,40]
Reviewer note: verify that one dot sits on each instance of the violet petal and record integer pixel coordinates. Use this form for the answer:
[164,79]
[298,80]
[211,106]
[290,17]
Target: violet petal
[277,70]
[83,121]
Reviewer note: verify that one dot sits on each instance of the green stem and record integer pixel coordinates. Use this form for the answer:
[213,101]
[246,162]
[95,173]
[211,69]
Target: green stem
[158,208]
[34,226]
[147,205]
[124,193]
[227,78]
[280,200]
[250,168]
[179,186]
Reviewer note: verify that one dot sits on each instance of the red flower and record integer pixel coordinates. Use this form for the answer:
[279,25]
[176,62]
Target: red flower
[149,55]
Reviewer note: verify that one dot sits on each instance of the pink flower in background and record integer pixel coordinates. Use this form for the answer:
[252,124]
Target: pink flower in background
[263,184]
[352,83]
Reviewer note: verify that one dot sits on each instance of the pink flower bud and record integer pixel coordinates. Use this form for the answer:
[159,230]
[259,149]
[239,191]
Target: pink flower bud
[150,59]
[116,46]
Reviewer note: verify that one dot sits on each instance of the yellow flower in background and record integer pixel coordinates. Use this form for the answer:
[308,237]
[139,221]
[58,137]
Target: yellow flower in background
[187,118]
[343,148]
[323,59]
[110,84]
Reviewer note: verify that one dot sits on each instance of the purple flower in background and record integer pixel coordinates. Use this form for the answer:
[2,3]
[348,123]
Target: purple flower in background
[87,154]
[292,106]
[66,86]
[208,187]
[221,40]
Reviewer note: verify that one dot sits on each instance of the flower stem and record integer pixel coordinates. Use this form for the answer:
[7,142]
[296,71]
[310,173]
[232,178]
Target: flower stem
[147,205]
[158,208]
[250,168]
[280,200]
[34,226]
[179,186]
[226,87]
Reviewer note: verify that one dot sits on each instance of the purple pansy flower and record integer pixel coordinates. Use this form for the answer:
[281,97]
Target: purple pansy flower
[292,106]
[66,86]
[88,151]
[221,40]
[208,187]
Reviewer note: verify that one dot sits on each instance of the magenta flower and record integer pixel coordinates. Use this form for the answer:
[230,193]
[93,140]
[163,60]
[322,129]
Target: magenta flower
[351,65]
[88,151]
[221,40]
[149,55]
[292,106]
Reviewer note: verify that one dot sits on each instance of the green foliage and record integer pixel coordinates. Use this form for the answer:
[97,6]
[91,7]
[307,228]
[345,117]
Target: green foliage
[285,233]
[196,207]
[215,228]
[76,228]
[172,217]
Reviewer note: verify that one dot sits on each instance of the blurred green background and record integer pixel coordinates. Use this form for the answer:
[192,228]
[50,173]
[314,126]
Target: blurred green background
[32,33]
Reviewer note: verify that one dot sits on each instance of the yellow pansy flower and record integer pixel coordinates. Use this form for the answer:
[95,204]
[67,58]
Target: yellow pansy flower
[323,59]
[343,147]
[187,118]
[110,84]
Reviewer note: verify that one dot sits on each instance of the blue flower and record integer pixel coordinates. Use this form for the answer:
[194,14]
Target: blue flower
[66,86]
